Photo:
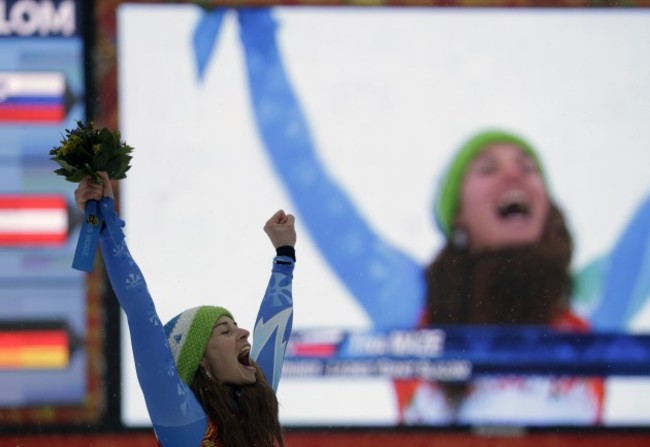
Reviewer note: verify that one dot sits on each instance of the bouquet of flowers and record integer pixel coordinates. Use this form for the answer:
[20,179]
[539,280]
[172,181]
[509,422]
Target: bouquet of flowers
[85,151]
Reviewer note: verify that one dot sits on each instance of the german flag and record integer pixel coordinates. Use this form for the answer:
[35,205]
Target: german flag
[34,345]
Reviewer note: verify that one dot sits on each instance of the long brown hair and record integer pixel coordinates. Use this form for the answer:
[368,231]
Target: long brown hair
[245,416]
[519,285]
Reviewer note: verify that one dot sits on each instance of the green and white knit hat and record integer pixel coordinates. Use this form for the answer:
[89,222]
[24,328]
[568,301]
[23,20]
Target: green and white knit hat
[448,194]
[188,334]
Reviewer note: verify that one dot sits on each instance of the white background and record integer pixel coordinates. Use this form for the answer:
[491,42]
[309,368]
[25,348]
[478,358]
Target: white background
[389,93]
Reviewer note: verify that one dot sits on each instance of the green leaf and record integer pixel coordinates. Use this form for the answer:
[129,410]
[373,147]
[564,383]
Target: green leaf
[118,165]
[113,167]
[100,159]
[105,137]
[64,164]
[61,171]
[76,176]
[124,150]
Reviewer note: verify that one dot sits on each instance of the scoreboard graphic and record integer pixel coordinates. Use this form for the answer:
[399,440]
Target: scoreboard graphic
[45,314]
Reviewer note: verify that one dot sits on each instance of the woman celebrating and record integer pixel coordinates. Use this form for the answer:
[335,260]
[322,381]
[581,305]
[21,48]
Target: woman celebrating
[203,383]
[506,258]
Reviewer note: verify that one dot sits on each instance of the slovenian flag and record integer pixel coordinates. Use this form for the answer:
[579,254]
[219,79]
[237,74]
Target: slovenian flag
[33,97]
[33,220]
[315,344]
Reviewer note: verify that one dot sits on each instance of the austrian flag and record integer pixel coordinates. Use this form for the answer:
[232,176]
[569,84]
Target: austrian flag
[33,220]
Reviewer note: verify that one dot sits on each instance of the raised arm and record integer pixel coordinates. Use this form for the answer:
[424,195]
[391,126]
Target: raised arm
[175,413]
[626,275]
[386,282]
[275,317]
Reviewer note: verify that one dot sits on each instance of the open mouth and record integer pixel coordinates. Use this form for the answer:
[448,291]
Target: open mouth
[244,356]
[513,205]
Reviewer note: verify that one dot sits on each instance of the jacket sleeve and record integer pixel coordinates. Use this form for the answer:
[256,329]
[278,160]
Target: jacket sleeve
[177,416]
[274,321]
[624,287]
[385,281]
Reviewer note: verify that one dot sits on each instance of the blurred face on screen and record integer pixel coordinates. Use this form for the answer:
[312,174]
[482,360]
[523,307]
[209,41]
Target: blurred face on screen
[503,199]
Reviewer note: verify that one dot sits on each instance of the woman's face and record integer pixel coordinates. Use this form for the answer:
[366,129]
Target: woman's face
[503,199]
[227,354]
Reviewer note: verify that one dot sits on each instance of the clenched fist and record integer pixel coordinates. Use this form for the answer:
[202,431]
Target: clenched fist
[89,189]
[280,229]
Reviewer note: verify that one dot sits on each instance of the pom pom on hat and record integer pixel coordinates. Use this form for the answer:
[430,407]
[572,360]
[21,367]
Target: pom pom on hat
[188,334]
[448,194]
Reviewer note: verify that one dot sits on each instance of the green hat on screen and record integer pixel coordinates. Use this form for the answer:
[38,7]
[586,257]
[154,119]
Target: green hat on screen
[448,194]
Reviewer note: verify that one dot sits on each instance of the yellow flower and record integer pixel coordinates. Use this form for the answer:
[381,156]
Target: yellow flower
[85,150]
[65,149]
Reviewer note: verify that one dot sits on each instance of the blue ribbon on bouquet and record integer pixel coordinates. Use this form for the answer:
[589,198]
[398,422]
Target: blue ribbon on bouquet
[84,255]
[97,214]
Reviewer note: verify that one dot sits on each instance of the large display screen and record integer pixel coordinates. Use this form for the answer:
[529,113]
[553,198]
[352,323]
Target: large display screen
[348,118]
[51,370]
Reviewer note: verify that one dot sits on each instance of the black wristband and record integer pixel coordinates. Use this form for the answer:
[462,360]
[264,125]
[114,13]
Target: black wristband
[286,250]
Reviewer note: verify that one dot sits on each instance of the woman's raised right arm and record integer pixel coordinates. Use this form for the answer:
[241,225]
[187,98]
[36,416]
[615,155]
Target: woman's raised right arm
[177,416]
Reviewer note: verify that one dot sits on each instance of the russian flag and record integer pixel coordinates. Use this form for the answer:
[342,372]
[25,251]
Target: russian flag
[33,97]
[33,220]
